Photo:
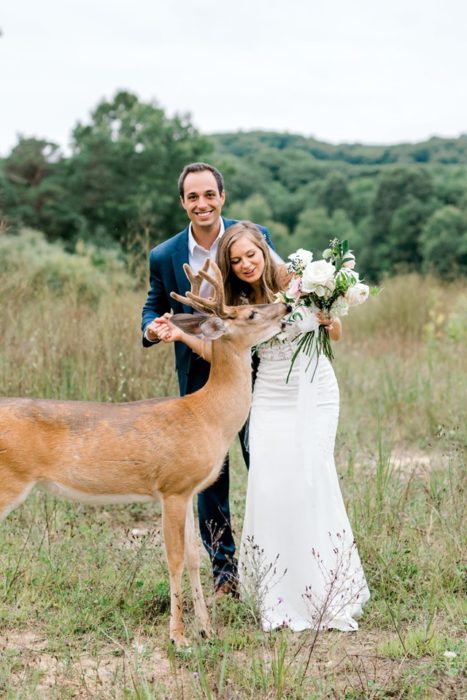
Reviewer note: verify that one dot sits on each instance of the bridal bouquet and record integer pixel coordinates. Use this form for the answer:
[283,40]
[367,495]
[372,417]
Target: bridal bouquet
[330,286]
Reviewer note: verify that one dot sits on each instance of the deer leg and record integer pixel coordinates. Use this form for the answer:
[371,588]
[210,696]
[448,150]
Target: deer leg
[173,520]
[192,564]
[13,493]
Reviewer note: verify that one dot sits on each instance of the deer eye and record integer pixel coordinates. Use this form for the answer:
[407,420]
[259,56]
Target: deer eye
[252,314]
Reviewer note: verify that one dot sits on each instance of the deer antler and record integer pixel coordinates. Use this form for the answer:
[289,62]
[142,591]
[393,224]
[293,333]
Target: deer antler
[196,279]
[214,304]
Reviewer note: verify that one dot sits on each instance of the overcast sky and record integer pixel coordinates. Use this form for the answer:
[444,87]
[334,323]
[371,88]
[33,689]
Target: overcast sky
[341,70]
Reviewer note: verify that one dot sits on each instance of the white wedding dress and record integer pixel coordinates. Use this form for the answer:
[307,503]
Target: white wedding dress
[298,560]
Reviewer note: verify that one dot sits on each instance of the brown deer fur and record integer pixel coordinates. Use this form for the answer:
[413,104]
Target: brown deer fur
[139,451]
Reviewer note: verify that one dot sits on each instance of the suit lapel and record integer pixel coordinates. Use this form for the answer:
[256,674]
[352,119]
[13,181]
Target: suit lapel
[179,258]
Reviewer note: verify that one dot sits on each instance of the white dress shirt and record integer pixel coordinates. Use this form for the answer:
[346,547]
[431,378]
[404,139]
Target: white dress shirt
[197,255]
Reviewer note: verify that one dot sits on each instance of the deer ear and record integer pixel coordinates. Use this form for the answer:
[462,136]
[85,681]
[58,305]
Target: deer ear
[202,325]
[213,327]
[189,323]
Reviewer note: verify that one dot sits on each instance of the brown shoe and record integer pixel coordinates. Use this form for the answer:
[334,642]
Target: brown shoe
[227,588]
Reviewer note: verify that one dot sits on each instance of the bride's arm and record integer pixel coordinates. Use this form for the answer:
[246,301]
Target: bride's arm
[168,332]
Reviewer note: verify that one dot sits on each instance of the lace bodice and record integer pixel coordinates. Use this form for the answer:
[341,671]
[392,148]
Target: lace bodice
[281,347]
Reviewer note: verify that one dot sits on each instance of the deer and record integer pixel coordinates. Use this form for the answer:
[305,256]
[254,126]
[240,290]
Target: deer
[163,448]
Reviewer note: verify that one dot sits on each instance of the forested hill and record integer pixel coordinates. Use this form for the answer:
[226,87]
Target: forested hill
[401,207]
[435,150]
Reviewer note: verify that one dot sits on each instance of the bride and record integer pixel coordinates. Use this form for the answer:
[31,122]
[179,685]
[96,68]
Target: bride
[298,558]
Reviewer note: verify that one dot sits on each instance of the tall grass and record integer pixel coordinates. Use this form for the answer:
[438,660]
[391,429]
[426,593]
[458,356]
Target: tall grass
[83,591]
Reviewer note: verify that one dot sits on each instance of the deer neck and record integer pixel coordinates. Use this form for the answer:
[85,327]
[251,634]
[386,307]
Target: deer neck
[229,383]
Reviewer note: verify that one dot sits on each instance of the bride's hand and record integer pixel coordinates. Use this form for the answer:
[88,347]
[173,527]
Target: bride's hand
[333,326]
[165,330]
[323,319]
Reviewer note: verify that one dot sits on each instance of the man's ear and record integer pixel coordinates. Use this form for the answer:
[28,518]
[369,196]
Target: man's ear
[201,325]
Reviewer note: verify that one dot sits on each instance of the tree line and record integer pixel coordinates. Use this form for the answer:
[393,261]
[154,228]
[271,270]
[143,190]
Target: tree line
[402,207]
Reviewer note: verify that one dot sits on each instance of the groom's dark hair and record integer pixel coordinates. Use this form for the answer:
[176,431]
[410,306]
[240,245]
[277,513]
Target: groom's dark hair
[199,168]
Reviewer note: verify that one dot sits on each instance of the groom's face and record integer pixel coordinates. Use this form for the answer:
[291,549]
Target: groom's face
[202,200]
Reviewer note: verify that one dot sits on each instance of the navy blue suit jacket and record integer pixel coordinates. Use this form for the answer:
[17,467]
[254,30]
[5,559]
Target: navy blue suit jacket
[166,275]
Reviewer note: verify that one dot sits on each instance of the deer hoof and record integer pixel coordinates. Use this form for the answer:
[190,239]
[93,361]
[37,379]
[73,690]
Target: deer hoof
[179,641]
[205,633]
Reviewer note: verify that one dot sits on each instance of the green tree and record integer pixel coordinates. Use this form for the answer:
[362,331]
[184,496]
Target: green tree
[401,246]
[124,169]
[335,193]
[256,209]
[404,200]
[241,178]
[443,242]
[315,229]
[395,189]
[33,188]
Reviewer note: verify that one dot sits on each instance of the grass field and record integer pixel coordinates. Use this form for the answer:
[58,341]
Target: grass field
[84,592]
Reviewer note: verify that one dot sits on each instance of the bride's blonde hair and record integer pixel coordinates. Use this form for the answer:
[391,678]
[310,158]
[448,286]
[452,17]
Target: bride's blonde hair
[236,289]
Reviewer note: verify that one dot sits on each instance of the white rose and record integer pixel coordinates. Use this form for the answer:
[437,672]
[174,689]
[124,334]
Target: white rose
[323,292]
[339,308]
[349,263]
[357,294]
[318,274]
[302,256]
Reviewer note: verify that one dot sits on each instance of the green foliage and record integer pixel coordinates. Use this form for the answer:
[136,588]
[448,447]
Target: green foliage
[384,196]
[444,242]
[315,228]
[125,164]
[335,194]
[33,189]
[254,208]
[118,185]
[435,150]
[31,265]
[120,180]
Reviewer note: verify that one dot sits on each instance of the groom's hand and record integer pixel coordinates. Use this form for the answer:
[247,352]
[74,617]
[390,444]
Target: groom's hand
[151,333]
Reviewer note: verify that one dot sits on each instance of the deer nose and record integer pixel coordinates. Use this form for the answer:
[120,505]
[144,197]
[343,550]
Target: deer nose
[289,308]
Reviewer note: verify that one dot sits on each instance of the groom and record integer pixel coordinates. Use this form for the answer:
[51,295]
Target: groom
[201,189]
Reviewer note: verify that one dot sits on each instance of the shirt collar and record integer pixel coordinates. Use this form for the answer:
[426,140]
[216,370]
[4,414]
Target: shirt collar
[192,243]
